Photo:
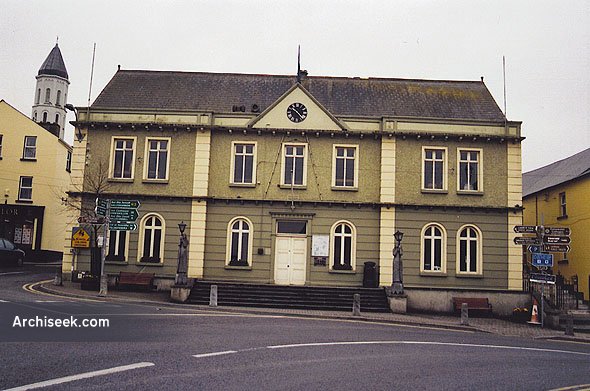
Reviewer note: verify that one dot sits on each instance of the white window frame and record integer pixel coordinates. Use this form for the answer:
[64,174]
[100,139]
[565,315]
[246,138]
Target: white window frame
[352,235]
[479,162]
[284,165]
[32,148]
[233,162]
[21,187]
[229,236]
[112,158]
[146,159]
[562,205]
[443,266]
[444,169]
[117,240]
[142,227]
[355,160]
[479,251]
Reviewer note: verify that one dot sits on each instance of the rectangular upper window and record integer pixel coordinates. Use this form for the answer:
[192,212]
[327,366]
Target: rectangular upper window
[243,163]
[470,170]
[69,161]
[30,148]
[434,169]
[25,188]
[157,158]
[345,166]
[562,205]
[122,158]
[294,171]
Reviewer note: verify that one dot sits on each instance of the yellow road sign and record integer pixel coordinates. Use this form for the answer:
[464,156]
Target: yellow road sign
[80,238]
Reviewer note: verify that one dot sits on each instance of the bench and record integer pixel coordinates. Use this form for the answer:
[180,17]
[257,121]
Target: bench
[142,280]
[473,303]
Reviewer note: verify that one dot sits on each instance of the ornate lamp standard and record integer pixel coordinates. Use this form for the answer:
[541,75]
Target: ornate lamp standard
[398,285]
[181,271]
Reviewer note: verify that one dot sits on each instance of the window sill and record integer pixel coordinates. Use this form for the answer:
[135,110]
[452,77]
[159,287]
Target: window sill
[345,188]
[562,217]
[149,264]
[155,181]
[242,185]
[228,267]
[433,274]
[470,192]
[294,187]
[121,180]
[28,159]
[434,191]
[116,263]
[333,271]
[468,275]
[23,201]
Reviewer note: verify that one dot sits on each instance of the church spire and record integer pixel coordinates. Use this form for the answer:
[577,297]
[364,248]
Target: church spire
[54,64]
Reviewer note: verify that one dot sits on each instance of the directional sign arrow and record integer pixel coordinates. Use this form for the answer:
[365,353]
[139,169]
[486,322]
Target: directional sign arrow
[526,241]
[122,226]
[557,248]
[127,215]
[534,248]
[559,231]
[525,229]
[132,204]
[556,239]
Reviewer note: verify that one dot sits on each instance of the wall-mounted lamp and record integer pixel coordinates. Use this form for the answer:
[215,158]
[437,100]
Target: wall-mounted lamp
[79,134]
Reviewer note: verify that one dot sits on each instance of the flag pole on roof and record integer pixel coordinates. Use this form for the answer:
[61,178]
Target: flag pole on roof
[298,63]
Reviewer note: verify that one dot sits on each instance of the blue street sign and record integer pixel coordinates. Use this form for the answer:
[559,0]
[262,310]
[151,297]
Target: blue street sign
[540,259]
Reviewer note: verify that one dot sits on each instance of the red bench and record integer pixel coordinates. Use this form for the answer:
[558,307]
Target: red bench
[142,280]
[473,303]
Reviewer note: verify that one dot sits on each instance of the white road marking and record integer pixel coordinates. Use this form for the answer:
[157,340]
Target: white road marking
[80,376]
[214,354]
[4,301]
[7,273]
[426,343]
[48,301]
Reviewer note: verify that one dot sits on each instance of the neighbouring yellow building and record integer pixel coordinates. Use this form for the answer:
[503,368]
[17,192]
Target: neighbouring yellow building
[34,177]
[558,195]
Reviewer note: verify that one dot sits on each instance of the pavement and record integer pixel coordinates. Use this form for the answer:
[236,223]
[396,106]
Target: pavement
[444,321]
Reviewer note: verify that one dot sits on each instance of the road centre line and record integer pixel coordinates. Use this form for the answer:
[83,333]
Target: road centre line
[8,273]
[427,343]
[80,376]
[215,354]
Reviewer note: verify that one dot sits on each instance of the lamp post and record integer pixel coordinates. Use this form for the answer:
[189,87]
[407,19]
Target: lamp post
[79,134]
[182,269]
[398,285]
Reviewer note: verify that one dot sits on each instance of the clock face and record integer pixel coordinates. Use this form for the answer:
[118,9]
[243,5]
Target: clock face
[296,112]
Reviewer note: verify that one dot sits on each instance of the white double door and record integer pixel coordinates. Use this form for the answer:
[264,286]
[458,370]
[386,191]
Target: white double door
[290,260]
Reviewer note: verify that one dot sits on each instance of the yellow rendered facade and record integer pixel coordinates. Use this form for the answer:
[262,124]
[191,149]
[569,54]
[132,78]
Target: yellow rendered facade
[545,208]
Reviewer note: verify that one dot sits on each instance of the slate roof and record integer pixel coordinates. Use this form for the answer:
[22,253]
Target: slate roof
[54,64]
[355,97]
[554,174]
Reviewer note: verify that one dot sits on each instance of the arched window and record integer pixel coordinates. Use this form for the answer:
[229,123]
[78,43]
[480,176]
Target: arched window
[343,246]
[239,248]
[38,99]
[433,249]
[58,99]
[48,95]
[152,239]
[44,116]
[469,250]
[57,118]
[35,116]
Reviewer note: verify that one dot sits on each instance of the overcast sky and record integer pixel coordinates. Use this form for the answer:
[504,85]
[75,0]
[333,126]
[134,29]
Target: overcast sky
[546,45]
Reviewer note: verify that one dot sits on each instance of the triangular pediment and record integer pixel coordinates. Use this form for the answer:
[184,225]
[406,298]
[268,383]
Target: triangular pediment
[297,109]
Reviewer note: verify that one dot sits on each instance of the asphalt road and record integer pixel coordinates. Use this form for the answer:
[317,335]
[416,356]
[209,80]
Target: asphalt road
[152,347]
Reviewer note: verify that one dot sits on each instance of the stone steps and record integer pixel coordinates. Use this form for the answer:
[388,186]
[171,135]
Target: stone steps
[294,297]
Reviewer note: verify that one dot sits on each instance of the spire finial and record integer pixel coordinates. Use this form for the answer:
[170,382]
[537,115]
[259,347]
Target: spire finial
[56,40]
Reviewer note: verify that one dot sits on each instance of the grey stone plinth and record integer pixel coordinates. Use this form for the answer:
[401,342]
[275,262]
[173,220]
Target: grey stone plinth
[179,293]
[398,303]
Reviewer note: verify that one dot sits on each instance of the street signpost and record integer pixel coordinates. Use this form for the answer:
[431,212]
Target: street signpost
[525,229]
[524,240]
[543,278]
[101,206]
[540,260]
[99,220]
[124,226]
[535,248]
[559,231]
[556,248]
[127,204]
[556,239]
[117,215]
